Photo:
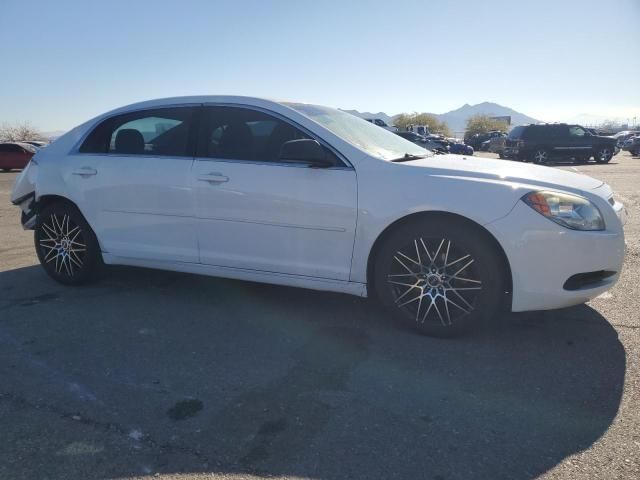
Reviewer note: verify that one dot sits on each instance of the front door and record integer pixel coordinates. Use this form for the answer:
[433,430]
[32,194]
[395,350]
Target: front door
[580,142]
[259,213]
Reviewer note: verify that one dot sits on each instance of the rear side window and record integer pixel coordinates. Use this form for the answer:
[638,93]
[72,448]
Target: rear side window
[533,132]
[161,132]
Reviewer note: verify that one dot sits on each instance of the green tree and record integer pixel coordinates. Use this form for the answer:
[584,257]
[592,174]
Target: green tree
[403,120]
[483,124]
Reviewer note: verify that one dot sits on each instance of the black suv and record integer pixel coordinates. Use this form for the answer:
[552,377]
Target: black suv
[557,141]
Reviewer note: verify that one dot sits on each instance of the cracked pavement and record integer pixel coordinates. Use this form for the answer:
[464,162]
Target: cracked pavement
[166,375]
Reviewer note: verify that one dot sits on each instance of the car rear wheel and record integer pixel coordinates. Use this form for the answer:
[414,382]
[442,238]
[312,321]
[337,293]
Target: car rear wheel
[6,169]
[604,154]
[66,245]
[540,156]
[442,278]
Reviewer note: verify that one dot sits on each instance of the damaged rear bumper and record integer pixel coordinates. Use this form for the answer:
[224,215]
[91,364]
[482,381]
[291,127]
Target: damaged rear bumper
[24,194]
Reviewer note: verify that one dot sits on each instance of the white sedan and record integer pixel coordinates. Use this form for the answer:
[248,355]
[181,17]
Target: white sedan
[309,196]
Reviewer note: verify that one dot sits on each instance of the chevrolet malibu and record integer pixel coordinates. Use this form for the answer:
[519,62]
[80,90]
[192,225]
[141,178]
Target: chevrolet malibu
[309,196]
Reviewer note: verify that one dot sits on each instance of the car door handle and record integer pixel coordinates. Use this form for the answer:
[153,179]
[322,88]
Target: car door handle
[85,171]
[214,178]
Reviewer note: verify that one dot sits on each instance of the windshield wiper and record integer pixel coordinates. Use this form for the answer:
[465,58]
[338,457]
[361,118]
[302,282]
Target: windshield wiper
[408,157]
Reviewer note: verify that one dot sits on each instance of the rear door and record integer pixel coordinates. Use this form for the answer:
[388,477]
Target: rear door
[555,138]
[132,180]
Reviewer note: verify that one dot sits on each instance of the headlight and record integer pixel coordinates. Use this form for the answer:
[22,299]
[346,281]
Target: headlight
[570,211]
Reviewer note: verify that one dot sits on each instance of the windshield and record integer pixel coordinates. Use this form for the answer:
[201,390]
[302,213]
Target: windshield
[375,140]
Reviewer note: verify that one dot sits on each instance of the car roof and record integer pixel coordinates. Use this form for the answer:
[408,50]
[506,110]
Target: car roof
[28,146]
[196,99]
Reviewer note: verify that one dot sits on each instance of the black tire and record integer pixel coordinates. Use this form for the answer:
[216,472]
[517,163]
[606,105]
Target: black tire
[6,169]
[66,245]
[426,299]
[540,156]
[603,154]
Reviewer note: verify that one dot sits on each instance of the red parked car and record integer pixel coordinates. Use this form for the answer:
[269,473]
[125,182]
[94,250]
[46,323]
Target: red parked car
[15,155]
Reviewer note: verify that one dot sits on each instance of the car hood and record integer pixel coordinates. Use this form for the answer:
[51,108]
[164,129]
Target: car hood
[505,171]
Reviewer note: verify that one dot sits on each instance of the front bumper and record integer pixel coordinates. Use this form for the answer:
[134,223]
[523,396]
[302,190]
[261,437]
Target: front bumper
[511,152]
[543,257]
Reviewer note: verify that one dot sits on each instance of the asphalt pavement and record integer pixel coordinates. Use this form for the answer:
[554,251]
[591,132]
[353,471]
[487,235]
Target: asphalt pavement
[175,376]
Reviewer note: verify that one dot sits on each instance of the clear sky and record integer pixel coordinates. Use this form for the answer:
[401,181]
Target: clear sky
[66,61]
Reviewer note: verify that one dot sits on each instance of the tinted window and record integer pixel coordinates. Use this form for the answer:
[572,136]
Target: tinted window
[162,132]
[576,131]
[11,148]
[244,134]
[550,131]
[516,132]
[546,132]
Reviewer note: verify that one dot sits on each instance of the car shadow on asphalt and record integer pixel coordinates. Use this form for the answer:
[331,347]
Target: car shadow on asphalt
[151,371]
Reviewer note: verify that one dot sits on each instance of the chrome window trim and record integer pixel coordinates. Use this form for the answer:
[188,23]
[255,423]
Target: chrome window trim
[346,164]
[267,163]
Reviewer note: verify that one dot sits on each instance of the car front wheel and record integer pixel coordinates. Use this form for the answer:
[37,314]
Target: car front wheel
[444,278]
[66,245]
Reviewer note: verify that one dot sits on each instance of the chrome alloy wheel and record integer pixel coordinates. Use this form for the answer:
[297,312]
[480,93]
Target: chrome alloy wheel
[62,242]
[604,155]
[541,156]
[434,281]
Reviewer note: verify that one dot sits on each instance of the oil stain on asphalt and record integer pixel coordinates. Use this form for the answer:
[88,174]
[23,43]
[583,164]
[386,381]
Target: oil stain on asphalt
[185,409]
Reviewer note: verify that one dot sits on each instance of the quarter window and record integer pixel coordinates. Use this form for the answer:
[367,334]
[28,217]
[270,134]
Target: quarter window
[161,132]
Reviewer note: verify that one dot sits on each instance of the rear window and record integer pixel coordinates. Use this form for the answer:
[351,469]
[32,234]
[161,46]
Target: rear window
[516,132]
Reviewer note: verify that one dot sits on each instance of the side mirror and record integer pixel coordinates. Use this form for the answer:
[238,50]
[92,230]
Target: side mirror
[305,150]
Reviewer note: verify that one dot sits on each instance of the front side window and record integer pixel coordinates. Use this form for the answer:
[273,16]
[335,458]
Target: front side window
[160,132]
[243,134]
[376,141]
[576,131]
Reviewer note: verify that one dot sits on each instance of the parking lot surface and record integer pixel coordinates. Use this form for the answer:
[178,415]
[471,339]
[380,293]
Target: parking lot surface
[189,377]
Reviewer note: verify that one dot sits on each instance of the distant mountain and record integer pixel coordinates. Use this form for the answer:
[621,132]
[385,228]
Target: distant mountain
[457,119]
[381,115]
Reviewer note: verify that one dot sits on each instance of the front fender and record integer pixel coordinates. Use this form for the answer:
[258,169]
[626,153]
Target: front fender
[481,201]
